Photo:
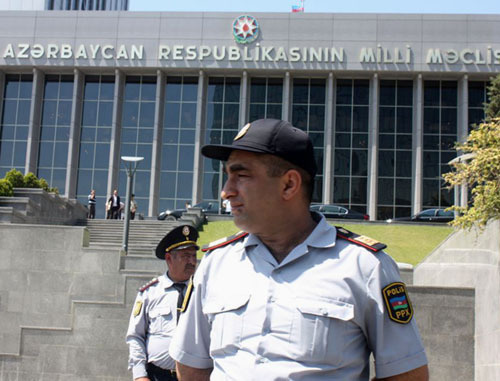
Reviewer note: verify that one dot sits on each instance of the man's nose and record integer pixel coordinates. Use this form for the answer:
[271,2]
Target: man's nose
[227,191]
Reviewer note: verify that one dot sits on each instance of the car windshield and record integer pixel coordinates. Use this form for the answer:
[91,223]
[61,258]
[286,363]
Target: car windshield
[429,212]
[444,213]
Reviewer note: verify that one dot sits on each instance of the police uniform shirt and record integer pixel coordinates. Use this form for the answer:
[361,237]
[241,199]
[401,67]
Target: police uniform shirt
[315,316]
[152,324]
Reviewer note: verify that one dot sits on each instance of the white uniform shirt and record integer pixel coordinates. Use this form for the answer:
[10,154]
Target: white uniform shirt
[315,316]
[151,330]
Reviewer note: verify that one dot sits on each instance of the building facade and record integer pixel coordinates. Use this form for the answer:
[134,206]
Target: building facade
[63,5]
[384,98]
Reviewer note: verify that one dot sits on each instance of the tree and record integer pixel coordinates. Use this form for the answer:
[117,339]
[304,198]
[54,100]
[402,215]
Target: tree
[492,108]
[15,177]
[480,171]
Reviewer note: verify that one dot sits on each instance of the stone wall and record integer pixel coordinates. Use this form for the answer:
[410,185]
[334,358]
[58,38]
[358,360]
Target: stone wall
[35,206]
[472,259]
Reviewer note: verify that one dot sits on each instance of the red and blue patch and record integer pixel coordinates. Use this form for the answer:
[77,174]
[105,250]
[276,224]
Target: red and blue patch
[397,302]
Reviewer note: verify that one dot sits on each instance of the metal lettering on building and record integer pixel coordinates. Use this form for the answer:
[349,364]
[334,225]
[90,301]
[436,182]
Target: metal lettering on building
[255,53]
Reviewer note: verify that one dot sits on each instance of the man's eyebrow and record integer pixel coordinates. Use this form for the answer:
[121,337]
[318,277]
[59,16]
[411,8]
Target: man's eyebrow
[234,167]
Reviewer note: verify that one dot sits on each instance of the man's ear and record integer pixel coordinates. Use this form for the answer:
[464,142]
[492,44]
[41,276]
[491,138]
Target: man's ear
[168,257]
[292,184]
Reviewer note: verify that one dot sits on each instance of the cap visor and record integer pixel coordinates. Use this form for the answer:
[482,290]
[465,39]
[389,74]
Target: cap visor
[222,152]
[186,246]
[218,152]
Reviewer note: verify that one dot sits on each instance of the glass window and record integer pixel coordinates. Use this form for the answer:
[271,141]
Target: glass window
[308,114]
[179,131]
[265,98]
[478,96]
[395,148]
[440,133]
[96,135]
[14,122]
[351,140]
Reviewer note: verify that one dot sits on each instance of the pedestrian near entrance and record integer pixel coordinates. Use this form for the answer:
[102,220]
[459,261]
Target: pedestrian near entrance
[133,207]
[92,202]
[227,206]
[114,206]
[157,307]
[291,297]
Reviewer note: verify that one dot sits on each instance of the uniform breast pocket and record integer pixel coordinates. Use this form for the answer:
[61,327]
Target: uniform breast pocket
[321,329]
[161,320]
[225,313]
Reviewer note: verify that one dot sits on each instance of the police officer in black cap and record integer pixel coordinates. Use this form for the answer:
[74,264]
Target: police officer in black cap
[157,308]
[291,297]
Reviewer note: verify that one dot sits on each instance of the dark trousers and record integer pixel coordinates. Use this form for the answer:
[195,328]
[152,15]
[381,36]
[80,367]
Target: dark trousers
[158,374]
[115,212]
[91,211]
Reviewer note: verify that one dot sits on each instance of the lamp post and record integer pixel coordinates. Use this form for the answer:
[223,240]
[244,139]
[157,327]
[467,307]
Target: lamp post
[131,163]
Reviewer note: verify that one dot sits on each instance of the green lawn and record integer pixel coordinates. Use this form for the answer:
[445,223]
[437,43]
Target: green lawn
[405,243]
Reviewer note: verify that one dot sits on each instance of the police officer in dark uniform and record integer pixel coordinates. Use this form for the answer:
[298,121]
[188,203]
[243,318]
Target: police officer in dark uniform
[157,307]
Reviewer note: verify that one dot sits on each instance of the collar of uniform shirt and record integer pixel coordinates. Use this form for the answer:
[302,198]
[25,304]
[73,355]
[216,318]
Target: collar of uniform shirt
[167,282]
[323,236]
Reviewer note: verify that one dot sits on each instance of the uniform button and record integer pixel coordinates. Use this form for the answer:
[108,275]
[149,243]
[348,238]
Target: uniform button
[324,312]
[222,308]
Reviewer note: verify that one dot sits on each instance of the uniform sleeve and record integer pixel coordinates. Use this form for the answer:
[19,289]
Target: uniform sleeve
[396,346]
[136,338]
[191,342]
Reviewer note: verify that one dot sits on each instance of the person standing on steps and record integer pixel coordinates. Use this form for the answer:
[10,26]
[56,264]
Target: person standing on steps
[114,205]
[291,297]
[92,203]
[157,308]
[133,206]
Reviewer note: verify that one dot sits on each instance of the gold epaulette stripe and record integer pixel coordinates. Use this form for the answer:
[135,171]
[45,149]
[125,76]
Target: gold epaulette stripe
[223,242]
[149,284]
[361,240]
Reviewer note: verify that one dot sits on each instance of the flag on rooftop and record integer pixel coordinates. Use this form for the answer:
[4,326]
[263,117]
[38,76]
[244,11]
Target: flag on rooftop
[298,8]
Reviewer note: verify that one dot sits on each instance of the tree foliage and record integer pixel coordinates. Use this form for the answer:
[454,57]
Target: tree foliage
[15,177]
[31,181]
[481,173]
[492,109]
[6,188]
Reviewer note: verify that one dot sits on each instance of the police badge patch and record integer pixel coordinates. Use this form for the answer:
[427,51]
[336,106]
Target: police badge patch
[137,308]
[397,302]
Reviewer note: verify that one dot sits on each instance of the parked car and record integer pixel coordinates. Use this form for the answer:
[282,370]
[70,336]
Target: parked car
[428,215]
[336,211]
[207,207]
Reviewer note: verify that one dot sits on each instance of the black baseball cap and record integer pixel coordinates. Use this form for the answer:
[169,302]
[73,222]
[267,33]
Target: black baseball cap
[271,136]
[181,237]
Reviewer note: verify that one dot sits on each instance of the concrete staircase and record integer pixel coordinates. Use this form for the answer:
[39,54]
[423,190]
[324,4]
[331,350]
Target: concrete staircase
[66,293]
[144,235]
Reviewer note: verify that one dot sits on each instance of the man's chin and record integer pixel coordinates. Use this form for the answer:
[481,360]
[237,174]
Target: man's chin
[242,223]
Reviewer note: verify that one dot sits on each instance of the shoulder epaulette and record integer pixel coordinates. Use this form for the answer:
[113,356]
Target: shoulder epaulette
[224,241]
[361,240]
[149,284]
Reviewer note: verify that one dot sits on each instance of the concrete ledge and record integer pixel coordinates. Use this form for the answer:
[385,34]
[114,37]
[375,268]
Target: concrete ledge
[41,207]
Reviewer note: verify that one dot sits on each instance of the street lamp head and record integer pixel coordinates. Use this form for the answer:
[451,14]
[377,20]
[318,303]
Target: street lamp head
[132,159]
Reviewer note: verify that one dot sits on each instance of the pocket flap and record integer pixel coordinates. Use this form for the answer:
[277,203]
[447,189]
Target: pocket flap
[332,309]
[226,303]
[164,310]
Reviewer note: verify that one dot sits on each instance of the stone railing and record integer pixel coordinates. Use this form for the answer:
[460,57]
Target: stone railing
[36,206]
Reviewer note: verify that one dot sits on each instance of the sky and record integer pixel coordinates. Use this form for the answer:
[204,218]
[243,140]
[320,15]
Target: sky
[321,6]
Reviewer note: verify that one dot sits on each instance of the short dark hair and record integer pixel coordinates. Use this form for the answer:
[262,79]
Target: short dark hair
[277,166]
